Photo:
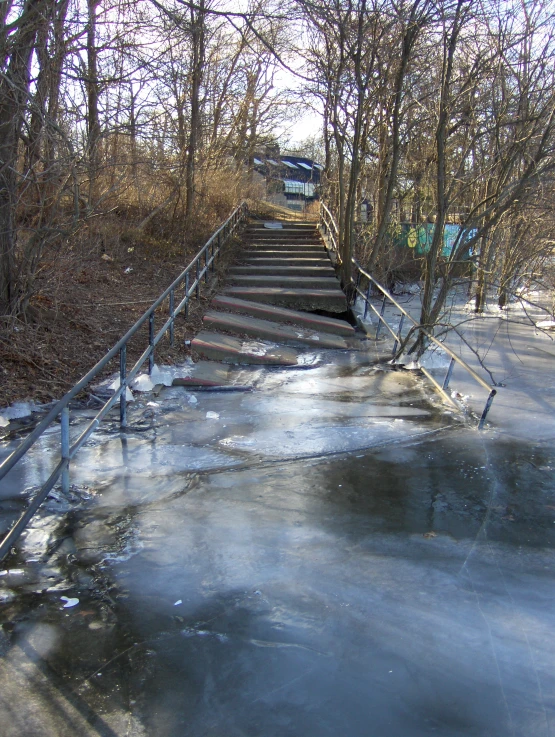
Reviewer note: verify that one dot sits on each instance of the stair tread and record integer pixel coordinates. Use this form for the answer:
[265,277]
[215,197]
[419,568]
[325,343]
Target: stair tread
[307,319]
[274,331]
[228,349]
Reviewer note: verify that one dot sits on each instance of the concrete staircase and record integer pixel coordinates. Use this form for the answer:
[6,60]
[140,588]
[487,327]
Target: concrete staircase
[287,266]
[265,316]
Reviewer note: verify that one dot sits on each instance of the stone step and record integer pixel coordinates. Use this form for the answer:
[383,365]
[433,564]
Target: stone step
[206,373]
[294,227]
[288,261]
[294,242]
[261,270]
[286,282]
[306,320]
[331,300]
[281,245]
[282,233]
[273,227]
[285,253]
[275,332]
[228,349]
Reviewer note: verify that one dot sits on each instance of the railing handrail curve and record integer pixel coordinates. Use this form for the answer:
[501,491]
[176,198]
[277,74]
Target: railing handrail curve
[454,357]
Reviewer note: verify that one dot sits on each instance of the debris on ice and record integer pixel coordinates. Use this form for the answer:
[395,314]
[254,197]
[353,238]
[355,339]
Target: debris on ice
[69,602]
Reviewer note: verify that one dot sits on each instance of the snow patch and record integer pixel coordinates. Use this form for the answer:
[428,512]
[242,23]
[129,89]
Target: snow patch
[546,324]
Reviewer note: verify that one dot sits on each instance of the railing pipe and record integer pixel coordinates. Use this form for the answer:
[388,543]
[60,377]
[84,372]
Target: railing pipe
[172,317]
[55,411]
[64,431]
[398,337]
[151,343]
[327,218]
[381,317]
[447,378]
[123,386]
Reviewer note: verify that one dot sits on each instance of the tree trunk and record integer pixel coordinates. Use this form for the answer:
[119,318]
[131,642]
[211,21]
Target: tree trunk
[14,91]
[198,42]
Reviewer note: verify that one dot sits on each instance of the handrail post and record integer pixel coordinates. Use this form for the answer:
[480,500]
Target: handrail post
[151,342]
[447,378]
[398,339]
[486,409]
[65,448]
[198,279]
[367,299]
[206,265]
[172,316]
[187,294]
[355,290]
[123,384]
[381,316]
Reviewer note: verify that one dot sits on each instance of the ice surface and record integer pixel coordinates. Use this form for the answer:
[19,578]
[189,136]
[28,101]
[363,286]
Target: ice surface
[257,347]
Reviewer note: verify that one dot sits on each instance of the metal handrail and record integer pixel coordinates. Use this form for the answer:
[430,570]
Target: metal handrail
[397,335]
[197,269]
[330,229]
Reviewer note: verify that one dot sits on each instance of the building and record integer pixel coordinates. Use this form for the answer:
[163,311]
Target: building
[291,181]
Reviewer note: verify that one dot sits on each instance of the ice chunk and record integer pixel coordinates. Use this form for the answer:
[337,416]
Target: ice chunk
[69,602]
[212,416]
[128,393]
[192,399]
[161,375]
[17,410]
[142,383]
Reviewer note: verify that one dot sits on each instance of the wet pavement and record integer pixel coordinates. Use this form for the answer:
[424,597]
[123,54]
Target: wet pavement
[333,553]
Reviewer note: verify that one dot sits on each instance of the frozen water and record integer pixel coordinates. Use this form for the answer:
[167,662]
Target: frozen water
[329,551]
[257,347]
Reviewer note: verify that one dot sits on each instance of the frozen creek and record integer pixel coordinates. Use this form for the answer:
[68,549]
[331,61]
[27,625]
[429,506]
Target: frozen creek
[331,554]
